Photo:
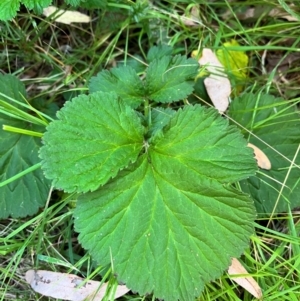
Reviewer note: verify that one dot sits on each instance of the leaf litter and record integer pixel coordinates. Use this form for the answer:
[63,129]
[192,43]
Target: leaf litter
[217,83]
[68,286]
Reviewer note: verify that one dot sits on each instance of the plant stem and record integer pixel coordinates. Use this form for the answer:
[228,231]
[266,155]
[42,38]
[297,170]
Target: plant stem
[147,113]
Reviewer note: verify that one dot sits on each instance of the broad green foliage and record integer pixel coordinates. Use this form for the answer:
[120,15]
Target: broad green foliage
[158,52]
[89,4]
[36,5]
[157,196]
[276,123]
[122,80]
[159,119]
[9,8]
[170,79]
[169,214]
[27,194]
[167,80]
[197,139]
[94,137]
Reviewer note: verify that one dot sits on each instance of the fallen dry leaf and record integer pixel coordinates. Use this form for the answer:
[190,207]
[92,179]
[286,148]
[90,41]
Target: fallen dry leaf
[282,65]
[192,19]
[254,13]
[261,158]
[247,282]
[278,13]
[68,286]
[217,84]
[65,16]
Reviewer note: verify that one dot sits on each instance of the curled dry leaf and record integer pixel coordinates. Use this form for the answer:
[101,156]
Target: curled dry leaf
[65,16]
[217,84]
[68,286]
[247,282]
[262,159]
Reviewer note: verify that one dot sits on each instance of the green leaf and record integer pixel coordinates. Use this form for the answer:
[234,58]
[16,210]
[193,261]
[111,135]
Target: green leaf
[198,139]
[27,194]
[158,52]
[167,80]
[37,5]
[89,4]
[123,81]
[94,137]
[136,62]
[11,87]
[170,79]
[92,4]
[277,123]
[13,102]
[160,117]
[8,9]
[169,226]
[73,2]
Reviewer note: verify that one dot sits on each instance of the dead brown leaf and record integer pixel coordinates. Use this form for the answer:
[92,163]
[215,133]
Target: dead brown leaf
[68,287]
[192,19]
[65,16]
[217,84]
[254,13]
[261,158]
[247,282]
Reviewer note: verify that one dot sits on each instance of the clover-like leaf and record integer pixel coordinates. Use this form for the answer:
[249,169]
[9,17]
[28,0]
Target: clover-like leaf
[94,137]
[123,81]
[167,224]
[170,79]
[276,123]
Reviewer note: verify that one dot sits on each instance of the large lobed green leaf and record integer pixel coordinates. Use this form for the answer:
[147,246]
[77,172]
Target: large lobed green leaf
[89,4]
[198,140]
[158,52]
[277,123]
[37,5]
[123,81]
[168,224]
[160,117]
[8,9]
[168,79]
[94,137]
[27,194]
